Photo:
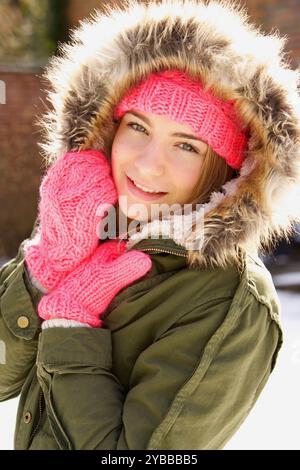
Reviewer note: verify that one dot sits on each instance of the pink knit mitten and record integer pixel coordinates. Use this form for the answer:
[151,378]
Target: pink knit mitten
[86,292]
[73,190]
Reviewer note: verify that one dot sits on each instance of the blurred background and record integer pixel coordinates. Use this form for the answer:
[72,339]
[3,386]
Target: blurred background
[30,31]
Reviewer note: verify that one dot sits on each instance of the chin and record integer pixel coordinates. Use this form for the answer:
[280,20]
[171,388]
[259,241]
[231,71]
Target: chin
[135,216]
[133,209]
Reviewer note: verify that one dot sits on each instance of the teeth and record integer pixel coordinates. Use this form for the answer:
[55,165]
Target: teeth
[145,189]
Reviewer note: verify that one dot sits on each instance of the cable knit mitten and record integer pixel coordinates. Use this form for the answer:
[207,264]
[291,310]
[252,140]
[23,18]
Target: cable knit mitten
[72,193]
[87,291]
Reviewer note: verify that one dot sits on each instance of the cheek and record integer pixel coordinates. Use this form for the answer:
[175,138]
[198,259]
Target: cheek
[119,157]
[122,159]
[186,177]
[121,150]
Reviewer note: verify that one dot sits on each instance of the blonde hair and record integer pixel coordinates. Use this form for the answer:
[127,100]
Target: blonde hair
[214,173]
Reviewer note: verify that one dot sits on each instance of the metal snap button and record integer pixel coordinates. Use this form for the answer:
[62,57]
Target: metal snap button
[27,417]
[23,322]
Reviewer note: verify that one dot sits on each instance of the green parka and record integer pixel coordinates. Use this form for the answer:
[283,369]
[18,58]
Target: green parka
[187,349]
[183,358]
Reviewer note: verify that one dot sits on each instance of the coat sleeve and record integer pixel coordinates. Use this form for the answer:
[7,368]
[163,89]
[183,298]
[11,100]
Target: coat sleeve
[19,325]
[190,389]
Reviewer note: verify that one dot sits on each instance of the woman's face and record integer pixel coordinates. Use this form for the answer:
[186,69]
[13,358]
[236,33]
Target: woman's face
[147,151]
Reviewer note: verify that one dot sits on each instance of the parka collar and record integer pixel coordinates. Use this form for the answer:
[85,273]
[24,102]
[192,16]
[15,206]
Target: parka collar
[212,41]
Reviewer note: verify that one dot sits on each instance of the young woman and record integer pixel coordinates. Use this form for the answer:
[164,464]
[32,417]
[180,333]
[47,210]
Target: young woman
[161,337]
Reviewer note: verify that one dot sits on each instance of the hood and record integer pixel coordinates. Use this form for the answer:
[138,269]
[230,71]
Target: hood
[216,42]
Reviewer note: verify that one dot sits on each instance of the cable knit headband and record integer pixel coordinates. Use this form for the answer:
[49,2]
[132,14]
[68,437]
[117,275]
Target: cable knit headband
[173,93]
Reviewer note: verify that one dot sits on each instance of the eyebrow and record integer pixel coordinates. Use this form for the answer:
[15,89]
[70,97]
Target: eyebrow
[175,134]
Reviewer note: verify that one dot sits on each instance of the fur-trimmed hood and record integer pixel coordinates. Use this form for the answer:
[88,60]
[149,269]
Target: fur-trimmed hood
[215,42]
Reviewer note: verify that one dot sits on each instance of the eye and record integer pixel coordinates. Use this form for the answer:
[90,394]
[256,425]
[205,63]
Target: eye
[189,145]
[131,124]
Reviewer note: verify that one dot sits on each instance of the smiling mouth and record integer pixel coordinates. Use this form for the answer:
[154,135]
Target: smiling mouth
[145,188]
[140,193]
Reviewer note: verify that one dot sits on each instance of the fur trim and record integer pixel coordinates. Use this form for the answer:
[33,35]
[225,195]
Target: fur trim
[211,40]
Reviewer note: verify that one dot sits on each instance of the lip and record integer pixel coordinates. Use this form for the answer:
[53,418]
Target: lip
[142,194]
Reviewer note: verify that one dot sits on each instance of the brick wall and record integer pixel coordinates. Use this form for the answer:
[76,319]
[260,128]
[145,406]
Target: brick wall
[20,164]
[78,9]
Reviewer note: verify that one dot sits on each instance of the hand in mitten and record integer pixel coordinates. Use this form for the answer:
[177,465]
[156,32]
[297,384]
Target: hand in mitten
[73,190]
[87,291]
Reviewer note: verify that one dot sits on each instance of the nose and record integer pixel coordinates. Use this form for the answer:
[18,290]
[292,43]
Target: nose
[149,163]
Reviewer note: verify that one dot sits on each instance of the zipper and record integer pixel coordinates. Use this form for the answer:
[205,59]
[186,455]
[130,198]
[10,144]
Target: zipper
[172,252]
[40,417]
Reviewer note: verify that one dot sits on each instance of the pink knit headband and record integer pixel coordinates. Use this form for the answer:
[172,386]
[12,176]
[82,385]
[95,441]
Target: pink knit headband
[173,93]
